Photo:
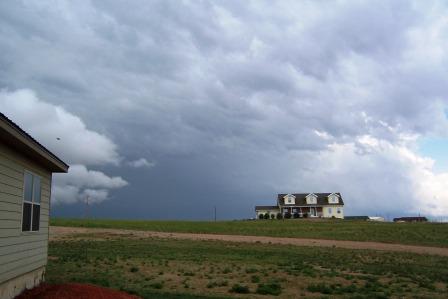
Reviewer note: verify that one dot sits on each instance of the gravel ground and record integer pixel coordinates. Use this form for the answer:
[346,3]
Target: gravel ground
[58,232]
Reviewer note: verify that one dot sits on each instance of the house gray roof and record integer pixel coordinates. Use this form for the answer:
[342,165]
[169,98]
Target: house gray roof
[257,208]
[322,199]
[16,137]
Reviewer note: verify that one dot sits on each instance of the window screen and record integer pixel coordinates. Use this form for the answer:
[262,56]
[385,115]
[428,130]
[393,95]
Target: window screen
[31,202]
[36,189]
[36,217]
[26,222]
[28,187]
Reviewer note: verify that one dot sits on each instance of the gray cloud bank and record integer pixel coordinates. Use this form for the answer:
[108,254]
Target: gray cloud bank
[235,102]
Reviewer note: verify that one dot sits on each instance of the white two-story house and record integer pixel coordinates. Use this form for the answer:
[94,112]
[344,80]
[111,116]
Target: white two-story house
[298,205]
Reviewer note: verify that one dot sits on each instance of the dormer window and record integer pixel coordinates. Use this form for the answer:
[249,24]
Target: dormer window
[311,199]
[289,199]
[333,198]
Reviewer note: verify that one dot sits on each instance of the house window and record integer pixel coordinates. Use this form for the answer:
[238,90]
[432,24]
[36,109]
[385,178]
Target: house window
[289,200]
[31,203]
[311,199]
[339,210]
[285,210]
[333,199]
[330,210]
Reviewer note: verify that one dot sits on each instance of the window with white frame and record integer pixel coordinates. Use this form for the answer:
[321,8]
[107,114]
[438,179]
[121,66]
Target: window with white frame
[311,199]
[339,211]
[31,202]
[330,210]
[289,199]
[333,198]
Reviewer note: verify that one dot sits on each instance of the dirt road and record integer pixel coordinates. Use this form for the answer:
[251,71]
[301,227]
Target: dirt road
[57,232]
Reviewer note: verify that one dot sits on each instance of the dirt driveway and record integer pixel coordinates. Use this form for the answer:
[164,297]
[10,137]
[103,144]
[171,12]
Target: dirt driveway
[58,232]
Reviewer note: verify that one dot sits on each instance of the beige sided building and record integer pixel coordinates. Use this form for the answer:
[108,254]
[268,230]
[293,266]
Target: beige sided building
[298,205]
[26,169]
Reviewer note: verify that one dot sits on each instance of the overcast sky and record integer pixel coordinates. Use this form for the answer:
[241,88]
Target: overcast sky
[165,109]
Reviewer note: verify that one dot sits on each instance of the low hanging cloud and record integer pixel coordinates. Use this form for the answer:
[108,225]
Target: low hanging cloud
[79,175]
[388,178]
[140,163]
[80,183]
[68,137]
[60,130]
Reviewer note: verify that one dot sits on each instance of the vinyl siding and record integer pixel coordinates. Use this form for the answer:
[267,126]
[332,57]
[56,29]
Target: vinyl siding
[334,213]
[20,252]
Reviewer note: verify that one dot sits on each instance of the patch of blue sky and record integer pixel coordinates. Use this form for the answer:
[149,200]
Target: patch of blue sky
[437,149]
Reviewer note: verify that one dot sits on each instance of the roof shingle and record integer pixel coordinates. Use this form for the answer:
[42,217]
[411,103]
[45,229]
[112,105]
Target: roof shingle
[322,199]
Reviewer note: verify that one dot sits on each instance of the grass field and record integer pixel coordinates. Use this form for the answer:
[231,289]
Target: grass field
[429,234]
[168,268]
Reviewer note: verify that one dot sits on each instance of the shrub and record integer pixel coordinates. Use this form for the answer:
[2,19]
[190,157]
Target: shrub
[269,289]
[156,285]
[272,216]
[255,279]
[240,289]
[426,284]
[218,283]
[288,215]
[211,285]
[296,215]
[319,288]
[227,270]
[305,215]
[279,216]
[261,216]
[337,289]
[266,216]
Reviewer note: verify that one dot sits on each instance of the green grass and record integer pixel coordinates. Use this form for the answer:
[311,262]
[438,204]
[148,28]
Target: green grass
[220,269]
[429,234]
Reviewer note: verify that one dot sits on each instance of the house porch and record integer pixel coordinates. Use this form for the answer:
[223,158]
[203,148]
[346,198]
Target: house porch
[311,211]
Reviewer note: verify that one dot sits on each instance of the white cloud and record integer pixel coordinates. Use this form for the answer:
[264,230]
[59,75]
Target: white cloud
[95,195]
[65,194]
[67,136]
[142,162]
[60,131]
[376,177]
[80,176]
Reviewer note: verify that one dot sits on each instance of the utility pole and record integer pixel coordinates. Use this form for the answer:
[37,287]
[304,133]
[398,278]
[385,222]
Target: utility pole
[87,207]
[215,213]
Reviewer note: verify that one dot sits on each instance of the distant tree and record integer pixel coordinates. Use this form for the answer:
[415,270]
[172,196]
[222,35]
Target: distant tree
[266,216]
[288,215]
[261,216]
[296,215]
[279,216]
[272,216]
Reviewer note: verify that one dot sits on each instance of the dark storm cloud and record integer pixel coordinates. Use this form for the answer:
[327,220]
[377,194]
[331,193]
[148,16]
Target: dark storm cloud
[237,101]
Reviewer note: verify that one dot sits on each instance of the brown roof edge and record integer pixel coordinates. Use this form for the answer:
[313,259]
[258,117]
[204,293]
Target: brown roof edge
[14,131]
